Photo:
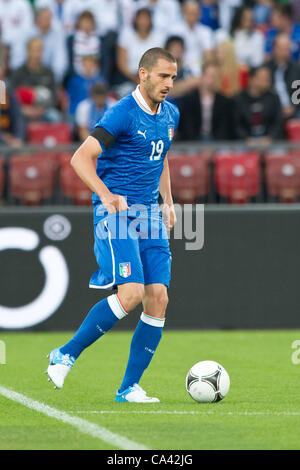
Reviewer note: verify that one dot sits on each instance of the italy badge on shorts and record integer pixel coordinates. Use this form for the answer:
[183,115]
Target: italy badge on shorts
[125,269]
[170,132]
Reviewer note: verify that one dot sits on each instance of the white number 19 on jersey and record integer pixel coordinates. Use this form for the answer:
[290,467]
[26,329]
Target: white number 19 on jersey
[158,148]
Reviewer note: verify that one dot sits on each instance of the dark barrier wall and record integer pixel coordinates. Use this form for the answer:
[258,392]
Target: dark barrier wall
[245,276]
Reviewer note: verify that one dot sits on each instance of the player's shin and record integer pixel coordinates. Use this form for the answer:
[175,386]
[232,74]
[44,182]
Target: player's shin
[101,318]
[144,343]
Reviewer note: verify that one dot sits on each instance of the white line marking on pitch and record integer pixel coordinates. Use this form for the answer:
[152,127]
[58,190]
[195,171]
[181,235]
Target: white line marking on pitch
[80,424]
[199,413]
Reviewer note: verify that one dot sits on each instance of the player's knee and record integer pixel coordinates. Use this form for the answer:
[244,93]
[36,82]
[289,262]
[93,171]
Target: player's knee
[157,303]
[162,301]
[131,295]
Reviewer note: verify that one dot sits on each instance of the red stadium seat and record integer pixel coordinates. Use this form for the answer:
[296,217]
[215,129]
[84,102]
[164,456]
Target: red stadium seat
[70,183]
[237,176]
[32,179]
[49,134]
[2,176]
[282,175]
[51,157]
[64,157]
[293,130]
[189,176]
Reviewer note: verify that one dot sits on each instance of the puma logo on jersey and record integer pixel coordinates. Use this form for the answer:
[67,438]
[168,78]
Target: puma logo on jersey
[143,133]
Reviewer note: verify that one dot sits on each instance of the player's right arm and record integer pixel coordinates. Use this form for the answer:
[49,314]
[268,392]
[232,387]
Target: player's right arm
[82,162]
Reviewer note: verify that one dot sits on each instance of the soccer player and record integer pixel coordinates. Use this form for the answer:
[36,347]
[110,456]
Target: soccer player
[131,241]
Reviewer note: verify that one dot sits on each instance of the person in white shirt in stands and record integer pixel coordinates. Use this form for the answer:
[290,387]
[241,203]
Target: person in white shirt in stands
[58,10]
[249,44]
[54,45]
[67,11]
[90,110]
[134,41]
[164,12]
[226,12]
[16,22]
[85,41]
[198,39]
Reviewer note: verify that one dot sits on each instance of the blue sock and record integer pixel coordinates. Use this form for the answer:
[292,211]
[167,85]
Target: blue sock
[99,320]
[144,342]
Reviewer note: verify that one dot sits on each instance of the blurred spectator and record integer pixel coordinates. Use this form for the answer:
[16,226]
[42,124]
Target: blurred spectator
[184,82]
[164,12]
[284,73]
[16,23]
[105,12]
[296,10]
[226,11]
[35,85]
[282,22]
[54,47]
[58,10]
[79,86]
[90,110]
[262,12]
[210,14]
[198,39]
[258,117]
[249,44]
[12,122]
[231,73]
[84,41]
[133,42]
[206,114]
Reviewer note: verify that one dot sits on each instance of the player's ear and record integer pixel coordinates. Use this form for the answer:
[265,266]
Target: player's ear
[142,74]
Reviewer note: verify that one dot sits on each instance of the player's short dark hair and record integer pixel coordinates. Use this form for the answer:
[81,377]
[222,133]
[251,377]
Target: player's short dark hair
[151,56]
[172,39]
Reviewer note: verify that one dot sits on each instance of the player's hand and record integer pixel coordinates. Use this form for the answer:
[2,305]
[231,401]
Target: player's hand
[169,215]
[114,203]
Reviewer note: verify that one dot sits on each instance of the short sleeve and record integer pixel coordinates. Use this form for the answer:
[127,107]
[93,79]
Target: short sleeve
[114,121]
[176,117]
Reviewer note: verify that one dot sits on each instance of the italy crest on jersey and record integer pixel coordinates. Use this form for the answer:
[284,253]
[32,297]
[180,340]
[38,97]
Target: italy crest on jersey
[125,269]
[170,132]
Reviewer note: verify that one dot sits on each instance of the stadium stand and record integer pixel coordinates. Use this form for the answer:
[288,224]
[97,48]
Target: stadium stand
[49,134]
[31,179]
[237,176]
[2,176]
[195,177]
[190,176]
[293,130]
[71,185]
[282,175]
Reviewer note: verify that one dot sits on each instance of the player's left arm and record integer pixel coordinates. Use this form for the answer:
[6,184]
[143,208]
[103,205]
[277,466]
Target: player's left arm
[168,210]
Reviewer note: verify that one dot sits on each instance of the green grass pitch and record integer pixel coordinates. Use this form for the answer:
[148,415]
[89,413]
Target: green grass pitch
[261,410]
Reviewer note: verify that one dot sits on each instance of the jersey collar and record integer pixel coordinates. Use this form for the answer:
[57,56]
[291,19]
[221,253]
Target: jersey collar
[137,95]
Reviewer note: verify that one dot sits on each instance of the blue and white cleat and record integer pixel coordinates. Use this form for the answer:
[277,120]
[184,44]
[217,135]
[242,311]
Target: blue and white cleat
[59,366]
[135,394]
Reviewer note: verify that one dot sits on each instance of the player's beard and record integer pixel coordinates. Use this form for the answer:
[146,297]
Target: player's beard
[150,89]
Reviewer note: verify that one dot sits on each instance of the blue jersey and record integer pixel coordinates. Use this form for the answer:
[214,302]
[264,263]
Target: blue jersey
[132,165]
[294,37]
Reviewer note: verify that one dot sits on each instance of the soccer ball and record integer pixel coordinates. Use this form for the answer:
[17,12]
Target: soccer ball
[207,382]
